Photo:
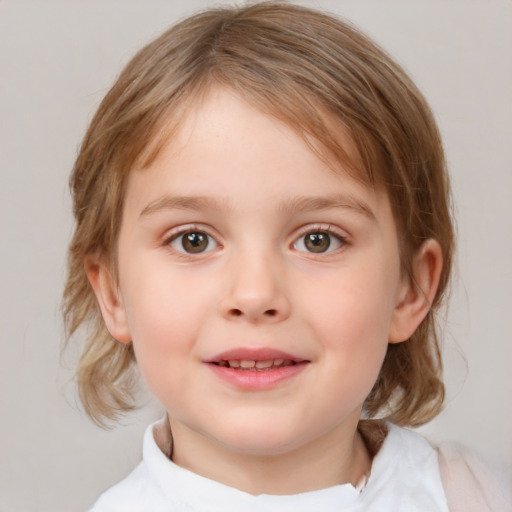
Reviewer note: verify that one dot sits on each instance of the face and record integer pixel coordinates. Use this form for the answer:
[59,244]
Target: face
[259,287]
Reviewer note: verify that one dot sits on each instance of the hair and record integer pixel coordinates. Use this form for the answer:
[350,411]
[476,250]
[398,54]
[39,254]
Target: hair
[322,77]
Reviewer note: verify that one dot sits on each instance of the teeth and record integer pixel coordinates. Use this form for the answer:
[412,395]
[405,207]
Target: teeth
[256,365]
[264,364]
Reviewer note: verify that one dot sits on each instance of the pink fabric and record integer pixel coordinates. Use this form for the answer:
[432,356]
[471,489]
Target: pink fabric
[470,484]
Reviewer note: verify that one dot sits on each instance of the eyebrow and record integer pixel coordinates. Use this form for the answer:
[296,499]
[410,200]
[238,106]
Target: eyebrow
[306,203]
[295,205]
[182,203]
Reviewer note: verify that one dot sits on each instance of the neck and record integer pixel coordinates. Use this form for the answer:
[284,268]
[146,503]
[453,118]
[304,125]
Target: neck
[338,457]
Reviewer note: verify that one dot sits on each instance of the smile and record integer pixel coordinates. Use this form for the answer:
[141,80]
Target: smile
[244,364]
[256,369]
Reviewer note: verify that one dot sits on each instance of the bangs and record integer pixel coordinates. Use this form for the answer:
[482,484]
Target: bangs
[288,102]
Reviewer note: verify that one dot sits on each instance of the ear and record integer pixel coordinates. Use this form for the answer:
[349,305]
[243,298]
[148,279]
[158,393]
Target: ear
[108,297]
[416,295]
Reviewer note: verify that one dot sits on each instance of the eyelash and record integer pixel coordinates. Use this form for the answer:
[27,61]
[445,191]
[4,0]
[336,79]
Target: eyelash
[339,239]
[175,237]
[327,231]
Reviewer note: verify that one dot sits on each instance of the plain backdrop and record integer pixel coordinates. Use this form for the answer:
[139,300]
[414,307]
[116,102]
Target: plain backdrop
[57,60]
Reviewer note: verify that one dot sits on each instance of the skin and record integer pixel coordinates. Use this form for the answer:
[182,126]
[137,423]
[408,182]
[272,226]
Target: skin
[253,186]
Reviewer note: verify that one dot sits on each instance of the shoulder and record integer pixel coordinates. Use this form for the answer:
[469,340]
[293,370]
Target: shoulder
[143,489]
[471,483]
[136,493]
[405,474]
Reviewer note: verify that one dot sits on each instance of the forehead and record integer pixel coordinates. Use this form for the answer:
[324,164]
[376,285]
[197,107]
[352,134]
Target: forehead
[225,147]
[322,132]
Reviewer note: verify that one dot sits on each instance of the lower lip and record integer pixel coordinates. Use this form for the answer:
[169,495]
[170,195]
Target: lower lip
[256,380]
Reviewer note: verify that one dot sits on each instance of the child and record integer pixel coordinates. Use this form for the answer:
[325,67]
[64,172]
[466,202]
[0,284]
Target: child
[263,229]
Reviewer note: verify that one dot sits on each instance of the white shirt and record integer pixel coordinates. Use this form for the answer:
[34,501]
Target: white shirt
[405,477]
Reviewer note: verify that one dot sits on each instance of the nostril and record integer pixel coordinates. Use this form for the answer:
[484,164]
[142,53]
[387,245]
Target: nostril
[271,312]
[236,312]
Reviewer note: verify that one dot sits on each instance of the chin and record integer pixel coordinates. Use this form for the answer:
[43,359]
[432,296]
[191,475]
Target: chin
[261,440]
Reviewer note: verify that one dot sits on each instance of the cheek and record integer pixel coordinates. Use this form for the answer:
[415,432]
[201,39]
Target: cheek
[162,299]
[353,309]
[164,315]
[351,320]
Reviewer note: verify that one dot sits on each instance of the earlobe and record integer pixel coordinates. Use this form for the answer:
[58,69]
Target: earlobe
[416,295]
[107,295]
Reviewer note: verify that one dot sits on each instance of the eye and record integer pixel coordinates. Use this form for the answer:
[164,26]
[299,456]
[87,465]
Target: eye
[320,241]
[193,242]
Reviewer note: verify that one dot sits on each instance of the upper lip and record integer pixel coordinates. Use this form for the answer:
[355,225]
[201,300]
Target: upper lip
[253,354]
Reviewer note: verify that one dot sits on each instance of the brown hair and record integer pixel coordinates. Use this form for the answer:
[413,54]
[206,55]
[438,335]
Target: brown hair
[319,75]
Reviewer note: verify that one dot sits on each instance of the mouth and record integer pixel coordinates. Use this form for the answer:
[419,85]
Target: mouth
[256,369]
[255,366]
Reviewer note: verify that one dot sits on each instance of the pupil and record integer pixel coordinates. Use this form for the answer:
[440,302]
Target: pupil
[317,242]
[195,242]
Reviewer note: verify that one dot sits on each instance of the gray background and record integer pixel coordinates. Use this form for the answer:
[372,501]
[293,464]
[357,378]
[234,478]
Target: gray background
[57,60]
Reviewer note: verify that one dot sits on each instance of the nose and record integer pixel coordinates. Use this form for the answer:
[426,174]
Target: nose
[255,291]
